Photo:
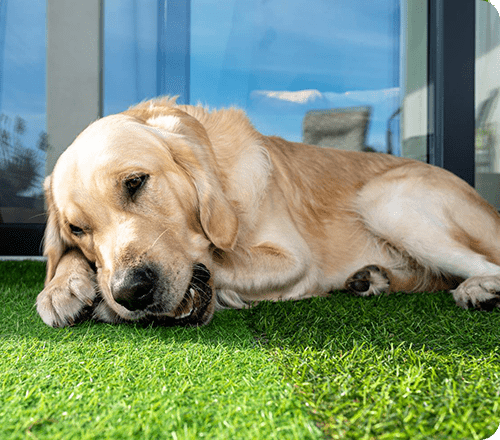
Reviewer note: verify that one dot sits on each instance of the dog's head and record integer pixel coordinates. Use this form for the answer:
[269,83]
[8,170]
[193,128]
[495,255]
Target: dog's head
[141,195]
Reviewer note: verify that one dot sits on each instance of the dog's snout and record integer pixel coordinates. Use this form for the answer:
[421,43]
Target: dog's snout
[134,289]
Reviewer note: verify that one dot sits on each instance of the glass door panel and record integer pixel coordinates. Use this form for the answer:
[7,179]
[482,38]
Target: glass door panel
[23,138]
[321,72]
[487,102]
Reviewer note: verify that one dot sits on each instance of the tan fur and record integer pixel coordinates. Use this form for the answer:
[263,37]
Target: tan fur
[270,219]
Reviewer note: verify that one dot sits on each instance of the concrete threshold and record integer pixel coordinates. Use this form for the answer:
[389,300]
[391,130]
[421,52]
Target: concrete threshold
[22,258]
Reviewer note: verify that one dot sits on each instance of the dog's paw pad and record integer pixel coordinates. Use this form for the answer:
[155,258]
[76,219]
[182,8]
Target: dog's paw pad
[370,280]
[482,293]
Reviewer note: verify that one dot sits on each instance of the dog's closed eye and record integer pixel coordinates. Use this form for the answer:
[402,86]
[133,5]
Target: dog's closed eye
[134,183]
[75,230]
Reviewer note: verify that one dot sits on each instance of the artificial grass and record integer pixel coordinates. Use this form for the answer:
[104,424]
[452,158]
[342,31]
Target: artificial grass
[391,367]
[399,367]
[121,382]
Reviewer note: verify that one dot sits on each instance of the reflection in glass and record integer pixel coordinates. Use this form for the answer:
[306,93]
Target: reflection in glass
[23,138]
[324,72]
[487,102]
[338,63]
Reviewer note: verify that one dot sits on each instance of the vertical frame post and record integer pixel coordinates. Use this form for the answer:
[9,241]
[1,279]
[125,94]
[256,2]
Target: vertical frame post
[451,86]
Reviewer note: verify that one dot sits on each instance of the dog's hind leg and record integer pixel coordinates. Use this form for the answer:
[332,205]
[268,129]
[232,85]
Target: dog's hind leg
[442,224]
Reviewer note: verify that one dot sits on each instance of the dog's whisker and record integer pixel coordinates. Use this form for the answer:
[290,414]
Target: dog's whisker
[156,241]
[200,280]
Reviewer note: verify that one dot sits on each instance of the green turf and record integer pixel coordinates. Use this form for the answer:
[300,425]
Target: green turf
[398,366]
[392,367]
[104,381]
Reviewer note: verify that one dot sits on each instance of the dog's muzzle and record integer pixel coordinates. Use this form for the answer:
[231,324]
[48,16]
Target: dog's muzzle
[136,290]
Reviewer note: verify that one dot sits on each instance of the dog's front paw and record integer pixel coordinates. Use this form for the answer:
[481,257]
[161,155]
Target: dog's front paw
[481,293]
[67,299]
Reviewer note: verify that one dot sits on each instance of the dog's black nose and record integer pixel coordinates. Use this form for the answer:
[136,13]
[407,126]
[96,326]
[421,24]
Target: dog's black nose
[134,289]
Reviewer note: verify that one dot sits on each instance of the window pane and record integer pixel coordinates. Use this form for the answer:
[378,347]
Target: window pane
[23,140]
[295,66]
[487,102]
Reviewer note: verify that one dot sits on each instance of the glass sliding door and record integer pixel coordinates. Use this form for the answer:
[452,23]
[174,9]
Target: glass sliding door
[23,129]
[349,74]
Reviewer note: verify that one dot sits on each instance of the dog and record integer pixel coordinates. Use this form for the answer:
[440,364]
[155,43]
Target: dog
[166,213]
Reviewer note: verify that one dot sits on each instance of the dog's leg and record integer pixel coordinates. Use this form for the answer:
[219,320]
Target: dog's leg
[442,224]
[273,273]
[279,266]
[70,295]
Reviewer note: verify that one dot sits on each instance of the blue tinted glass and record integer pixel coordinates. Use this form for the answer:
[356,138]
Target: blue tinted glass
[23,140]
[276,59]
[130,45]
[487,102]
[279,59]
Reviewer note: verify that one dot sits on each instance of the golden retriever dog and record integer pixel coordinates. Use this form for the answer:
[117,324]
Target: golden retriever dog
[165,213]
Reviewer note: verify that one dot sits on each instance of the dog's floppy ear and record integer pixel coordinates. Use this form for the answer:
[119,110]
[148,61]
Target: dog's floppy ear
[192,150]
[53,244]
[217,216]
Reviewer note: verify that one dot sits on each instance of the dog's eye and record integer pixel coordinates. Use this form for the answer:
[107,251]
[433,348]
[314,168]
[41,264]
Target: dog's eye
[75,230]
[135,183]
